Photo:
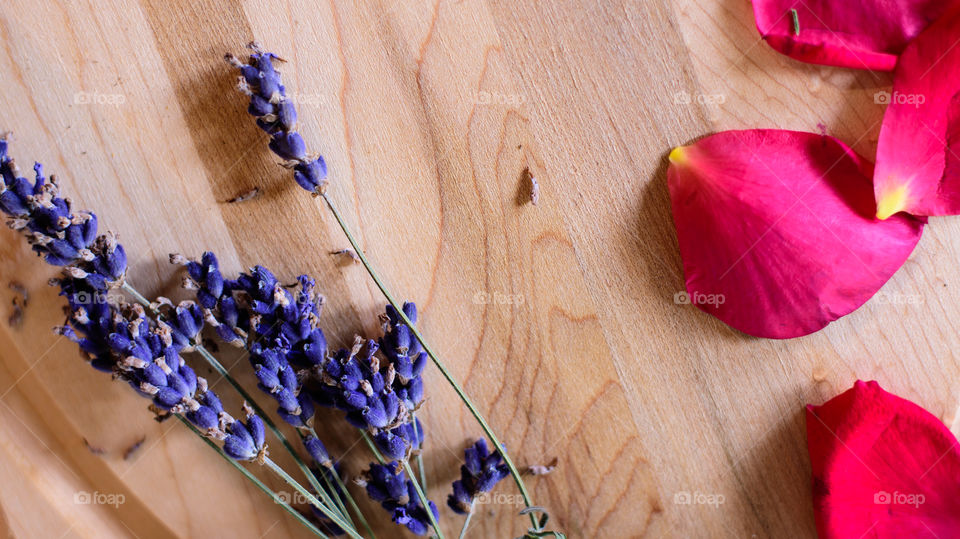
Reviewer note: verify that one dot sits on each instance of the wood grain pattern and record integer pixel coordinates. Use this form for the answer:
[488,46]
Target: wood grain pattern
[558,318]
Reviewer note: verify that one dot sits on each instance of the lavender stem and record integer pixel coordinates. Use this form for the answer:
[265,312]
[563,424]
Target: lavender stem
[416,433]
[311,498]
[466,522]
[246,473]
[423,498]
[346,492]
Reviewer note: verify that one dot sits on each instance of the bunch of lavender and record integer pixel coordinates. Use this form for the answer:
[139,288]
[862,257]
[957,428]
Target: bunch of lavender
[388,485]
[276,115]
[119,337]
[276,326]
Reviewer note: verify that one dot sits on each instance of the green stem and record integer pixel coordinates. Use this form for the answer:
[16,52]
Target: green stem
[517,478]
[416,434]
[253,479]
[423,499]
[466,523]
[311,498]
[343,488]
[222,371]
[373,447]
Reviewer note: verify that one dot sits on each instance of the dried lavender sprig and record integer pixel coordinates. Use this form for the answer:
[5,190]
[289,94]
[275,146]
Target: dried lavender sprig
[277,115]
[57,233]
[188,318]
[480,472]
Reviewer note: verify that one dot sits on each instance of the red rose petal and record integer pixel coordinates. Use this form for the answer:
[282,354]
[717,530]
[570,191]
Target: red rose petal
[777,230]
[863,34]
[917,155]
[882,467]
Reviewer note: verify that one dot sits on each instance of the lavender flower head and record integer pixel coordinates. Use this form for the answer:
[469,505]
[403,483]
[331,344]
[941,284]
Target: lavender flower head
[277,115]
[286,326]
[388,485]
[119,338]
[481,471]
[356,382]
[57,233]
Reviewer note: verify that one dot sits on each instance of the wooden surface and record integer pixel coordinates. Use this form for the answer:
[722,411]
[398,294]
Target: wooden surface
[559,318]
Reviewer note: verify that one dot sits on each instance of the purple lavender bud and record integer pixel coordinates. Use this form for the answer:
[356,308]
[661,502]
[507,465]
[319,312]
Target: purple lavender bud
[257,431]
[204,417]
[268,379]
[286,115]
[167,397]
[154,375]
[461,500]
[391,445]
[311,175]
[289,146]
[287,400]
[317,451]
[354,399]
[259,106]
[288,378]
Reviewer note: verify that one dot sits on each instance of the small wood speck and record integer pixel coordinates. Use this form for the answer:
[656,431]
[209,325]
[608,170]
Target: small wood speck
[534,186]
[347,255]
[245,196]
[539,469]
[133,448]
[94,449]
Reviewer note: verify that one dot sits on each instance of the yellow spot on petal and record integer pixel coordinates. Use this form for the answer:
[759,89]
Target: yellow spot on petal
[678,156]
[891,202]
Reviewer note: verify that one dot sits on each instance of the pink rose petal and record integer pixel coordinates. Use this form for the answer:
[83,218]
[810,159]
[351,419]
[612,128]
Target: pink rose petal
[862,34]
[882,467]
[918,168]
[777,230]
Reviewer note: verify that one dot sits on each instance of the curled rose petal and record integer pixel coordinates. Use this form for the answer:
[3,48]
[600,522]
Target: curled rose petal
[882,467]
[866,34]
[777,230]
[918,168]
